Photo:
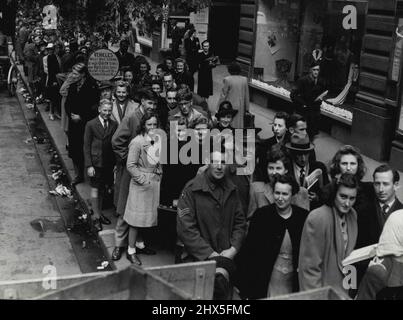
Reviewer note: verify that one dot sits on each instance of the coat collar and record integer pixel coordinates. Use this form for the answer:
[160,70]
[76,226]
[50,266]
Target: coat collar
[202,183]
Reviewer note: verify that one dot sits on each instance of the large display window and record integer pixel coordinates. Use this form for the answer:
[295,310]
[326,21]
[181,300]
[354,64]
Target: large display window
[291,34]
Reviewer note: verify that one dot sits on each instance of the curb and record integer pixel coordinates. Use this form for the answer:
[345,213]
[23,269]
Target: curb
[63,161]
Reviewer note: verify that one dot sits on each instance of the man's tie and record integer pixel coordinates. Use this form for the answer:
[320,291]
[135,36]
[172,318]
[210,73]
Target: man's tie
[385,209]
[302,177]
[105,125]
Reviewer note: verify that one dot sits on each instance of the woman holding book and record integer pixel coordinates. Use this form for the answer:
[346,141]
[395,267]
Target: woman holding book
[261,192]
[329,236]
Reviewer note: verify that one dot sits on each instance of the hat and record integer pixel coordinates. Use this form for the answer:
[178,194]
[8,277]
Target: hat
[50,46]
[314,64]
[299,143]
[224,109]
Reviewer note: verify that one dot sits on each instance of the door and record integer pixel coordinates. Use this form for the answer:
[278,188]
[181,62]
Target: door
[224,29]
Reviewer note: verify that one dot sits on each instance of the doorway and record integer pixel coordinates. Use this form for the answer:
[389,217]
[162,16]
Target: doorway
[224,29]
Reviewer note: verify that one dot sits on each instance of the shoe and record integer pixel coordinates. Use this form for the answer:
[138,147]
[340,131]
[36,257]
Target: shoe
[97,225]
[117,253]
[76,181]
[146,251]
[104,220]
[51,117]
[133,258]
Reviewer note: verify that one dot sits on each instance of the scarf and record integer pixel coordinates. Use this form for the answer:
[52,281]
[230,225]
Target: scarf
[391,239]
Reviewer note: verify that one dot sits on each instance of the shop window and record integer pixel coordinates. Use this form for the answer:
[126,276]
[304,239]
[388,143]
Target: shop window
[291,34]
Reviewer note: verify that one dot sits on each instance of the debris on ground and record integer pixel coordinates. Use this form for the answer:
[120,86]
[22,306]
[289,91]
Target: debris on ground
[61,190]
[103,265]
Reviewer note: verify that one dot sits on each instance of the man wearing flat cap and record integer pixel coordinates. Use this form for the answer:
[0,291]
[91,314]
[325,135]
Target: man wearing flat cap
[302,167]
[307,98]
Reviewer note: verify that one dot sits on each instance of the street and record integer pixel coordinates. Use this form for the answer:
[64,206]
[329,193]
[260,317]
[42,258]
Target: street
[33,223]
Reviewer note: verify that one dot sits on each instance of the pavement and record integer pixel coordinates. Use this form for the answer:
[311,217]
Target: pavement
[325,146]
[25,247]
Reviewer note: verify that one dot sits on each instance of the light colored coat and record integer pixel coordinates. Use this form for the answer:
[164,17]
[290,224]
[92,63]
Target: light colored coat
[144,193]
[236,91]
[130,108]
[261,194]
[322,249]
[124,134]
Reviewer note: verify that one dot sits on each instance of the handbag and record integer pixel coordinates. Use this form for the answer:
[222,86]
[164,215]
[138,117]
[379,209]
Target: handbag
[249,120]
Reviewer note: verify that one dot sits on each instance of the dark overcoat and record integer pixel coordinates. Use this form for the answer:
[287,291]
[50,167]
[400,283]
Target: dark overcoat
[83,102]
[205,76]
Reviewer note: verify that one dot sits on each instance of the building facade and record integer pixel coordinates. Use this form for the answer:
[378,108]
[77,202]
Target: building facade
[359,50]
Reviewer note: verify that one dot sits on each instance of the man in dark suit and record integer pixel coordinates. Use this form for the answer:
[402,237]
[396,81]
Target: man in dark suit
[302,166]
[177,36]
[307,98]
[99,158]
[386,182]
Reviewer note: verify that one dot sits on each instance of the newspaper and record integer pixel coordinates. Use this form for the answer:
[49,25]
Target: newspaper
[360,255]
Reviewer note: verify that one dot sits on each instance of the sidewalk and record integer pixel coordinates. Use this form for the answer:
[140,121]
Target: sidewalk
[326,147]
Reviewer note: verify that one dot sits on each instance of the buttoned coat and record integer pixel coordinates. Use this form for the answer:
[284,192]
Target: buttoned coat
[97,144]
[236,91]
[205,225]
[322,249]
[144,189]
[124,134]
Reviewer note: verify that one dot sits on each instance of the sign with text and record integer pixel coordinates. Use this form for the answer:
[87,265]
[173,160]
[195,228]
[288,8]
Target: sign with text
[103,65]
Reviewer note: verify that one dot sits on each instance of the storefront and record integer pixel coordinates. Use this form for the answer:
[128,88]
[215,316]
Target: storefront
[279,39]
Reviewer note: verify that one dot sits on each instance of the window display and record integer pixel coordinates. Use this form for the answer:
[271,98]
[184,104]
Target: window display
[291,34]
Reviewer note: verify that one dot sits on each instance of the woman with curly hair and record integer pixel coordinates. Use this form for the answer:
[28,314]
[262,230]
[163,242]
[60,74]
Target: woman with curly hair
[349,160]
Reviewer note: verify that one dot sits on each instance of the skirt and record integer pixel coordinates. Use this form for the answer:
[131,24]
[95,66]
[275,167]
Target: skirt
[142,203]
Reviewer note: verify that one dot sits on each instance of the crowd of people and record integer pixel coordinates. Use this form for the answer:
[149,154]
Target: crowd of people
[283,226]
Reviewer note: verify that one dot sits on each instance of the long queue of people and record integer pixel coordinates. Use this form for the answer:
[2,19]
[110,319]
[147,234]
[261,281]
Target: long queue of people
[284,225]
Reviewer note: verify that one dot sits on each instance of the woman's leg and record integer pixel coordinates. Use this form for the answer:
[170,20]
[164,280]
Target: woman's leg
[133,234]
[131,250]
